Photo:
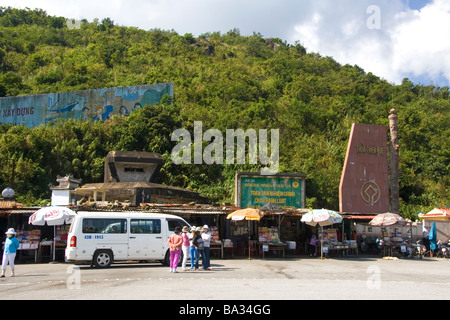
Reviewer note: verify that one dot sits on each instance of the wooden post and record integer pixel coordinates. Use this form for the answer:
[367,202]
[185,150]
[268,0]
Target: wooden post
[394,162]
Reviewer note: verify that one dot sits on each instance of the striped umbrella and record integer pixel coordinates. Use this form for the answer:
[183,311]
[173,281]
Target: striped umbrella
[321,217]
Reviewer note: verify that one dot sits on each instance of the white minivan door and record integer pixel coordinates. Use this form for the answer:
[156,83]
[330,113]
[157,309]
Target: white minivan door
[145,239]
[105,233]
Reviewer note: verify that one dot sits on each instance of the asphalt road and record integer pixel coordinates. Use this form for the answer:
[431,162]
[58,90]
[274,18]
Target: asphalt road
[358,278]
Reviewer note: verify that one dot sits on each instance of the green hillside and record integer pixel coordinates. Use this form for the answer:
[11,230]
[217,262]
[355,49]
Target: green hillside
[228,81]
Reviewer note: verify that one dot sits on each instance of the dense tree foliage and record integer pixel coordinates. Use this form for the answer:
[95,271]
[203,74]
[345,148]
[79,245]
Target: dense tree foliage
[227,81]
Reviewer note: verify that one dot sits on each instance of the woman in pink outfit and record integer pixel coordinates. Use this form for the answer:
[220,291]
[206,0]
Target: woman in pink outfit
[175,243]
[186,246]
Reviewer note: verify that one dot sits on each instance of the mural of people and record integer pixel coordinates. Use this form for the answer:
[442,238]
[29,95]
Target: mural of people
[108,111]
[95,104]
[136,106]
[103,113]
[123,111]
[98,113]
[85,112]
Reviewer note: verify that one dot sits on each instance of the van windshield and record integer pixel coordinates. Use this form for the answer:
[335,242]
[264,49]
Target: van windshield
[173,223]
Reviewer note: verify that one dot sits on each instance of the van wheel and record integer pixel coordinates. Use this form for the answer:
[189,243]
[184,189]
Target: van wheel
[103,259]
[166,261]
[181,259]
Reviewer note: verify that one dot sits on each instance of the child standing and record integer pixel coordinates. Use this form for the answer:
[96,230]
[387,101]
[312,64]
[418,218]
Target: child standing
[175,242]
[11,246]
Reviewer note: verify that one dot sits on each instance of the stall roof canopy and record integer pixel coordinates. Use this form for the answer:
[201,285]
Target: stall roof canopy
[358,216]
[209,209]
[187,209]
[436,214]
[26,210]
[176,209]
[9,204]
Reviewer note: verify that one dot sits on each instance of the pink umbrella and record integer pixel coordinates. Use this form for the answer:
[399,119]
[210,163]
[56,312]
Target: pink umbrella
[387,219]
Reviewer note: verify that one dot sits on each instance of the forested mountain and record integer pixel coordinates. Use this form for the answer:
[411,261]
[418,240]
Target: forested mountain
[227,81]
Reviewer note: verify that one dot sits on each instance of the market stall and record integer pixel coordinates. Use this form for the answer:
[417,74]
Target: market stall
[393,242]
[248,214]
[442,219]
[334,245]
[29,241]
[269,240]
[53,216]
[322,218]
[216,244]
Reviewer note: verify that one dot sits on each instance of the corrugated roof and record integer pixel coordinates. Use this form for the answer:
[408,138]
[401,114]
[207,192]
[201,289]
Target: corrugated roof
[6,204]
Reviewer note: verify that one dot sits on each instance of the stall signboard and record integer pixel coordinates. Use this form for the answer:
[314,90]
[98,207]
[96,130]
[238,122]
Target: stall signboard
[95,104]
[255,191]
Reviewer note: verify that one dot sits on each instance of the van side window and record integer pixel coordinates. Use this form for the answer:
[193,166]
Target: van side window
[145,226]
[104,226]
[173,223]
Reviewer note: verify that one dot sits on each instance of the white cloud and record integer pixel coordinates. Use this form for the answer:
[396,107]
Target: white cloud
[409,42]
[420,41]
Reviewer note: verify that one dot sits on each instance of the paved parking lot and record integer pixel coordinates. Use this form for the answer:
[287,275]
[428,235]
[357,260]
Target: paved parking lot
[237,279]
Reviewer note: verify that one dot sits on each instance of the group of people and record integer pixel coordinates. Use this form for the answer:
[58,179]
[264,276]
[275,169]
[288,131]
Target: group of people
[193,242]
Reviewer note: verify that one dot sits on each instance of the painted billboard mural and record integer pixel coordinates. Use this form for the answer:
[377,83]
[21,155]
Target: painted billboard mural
[97,104]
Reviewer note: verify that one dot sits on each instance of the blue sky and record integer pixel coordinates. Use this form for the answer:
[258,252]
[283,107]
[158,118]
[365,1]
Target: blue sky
[392,39]
[416,4]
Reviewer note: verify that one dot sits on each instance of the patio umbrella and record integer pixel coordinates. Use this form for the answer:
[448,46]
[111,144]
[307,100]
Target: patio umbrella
[248,214]
[433,236]
[387,219]
[321,217]
[52,216]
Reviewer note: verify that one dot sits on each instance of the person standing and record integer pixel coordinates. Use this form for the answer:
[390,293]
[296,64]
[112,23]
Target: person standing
[186,246]
[175,242]
[206,237]
[9,254]
[193,249]
[197,242]
[313,245]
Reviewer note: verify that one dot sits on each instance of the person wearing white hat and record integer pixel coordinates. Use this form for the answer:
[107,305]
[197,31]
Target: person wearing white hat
[206,236]
[9,254]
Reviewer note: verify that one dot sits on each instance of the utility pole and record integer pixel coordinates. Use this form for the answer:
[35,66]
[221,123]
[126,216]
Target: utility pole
[394,162]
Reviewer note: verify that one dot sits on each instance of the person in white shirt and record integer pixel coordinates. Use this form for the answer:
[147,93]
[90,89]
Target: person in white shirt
[206,236]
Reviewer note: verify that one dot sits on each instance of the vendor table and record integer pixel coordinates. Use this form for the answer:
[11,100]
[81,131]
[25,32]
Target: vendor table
[273,247]
[217,246]
[392,248]
[47,246]
[343,251]
[26,247]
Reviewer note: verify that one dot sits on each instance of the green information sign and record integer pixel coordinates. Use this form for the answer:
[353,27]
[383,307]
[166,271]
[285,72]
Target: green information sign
[285,192]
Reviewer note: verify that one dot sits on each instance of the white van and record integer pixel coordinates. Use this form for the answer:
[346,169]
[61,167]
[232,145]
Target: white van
[102,238]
